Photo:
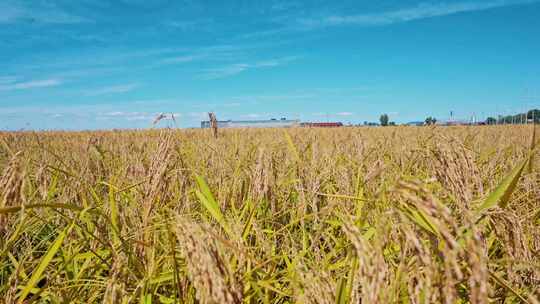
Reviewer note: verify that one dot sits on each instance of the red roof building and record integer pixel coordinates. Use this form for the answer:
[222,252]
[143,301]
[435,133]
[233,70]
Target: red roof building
[322,124]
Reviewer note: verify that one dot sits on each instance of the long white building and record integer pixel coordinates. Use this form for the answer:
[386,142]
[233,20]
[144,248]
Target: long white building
[271,123]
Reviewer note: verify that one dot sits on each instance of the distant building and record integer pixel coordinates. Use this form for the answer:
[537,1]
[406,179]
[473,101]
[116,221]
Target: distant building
[370,124]
[272,123]
[322,124]
[415,123]
[454,123]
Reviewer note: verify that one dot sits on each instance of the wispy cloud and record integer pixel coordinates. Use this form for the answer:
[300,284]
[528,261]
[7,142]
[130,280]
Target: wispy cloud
[12,85]
[181,59]
[305,94]
[330,114]
[292,96]
[198,115]
[232,104]
[191,25]
[285,5]
[251,116]
[225,71]
[117,89]
[133,116]
[42,12]
[421,11]
[8,80]
[237,68]
[9,13]
[265,33]
[224,52]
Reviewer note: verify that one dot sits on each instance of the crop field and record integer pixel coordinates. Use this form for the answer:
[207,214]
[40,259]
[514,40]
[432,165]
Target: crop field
[300,215]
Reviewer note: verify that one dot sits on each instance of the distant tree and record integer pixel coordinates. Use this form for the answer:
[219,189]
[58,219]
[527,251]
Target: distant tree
[491,121]
[384,120]
[522,118]
[430,121]
[392,123]
[534,115]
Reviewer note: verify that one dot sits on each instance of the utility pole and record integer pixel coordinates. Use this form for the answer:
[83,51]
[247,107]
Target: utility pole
[213,123]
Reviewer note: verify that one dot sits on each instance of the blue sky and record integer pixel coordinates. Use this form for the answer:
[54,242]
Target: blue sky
[96,64]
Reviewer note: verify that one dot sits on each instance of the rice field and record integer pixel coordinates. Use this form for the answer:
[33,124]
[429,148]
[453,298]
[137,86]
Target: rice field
[302,215]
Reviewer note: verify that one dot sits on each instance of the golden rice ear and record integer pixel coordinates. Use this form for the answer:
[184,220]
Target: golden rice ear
[11,187]
[532,149]
[349,215]
[208,267]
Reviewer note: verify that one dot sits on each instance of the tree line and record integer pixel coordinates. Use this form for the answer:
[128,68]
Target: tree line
[531,116]
[521,118]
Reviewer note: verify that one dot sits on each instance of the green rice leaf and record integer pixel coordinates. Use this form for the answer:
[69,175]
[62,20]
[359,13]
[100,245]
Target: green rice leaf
[114,214]
[421,219]
[341,292]
[249,222]
[45,261]
[344,288]
[292,147]
[207,199]
[501,194]
[14,209]
[507,286]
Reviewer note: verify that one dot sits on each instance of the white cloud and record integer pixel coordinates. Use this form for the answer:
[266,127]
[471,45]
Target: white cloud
[232,104]
[293,96]
[191,25]
[139,117]
[9,13]
[265,33]
[421,11]
[182,59]
[8,80]
[118,113]
[198,115]
[134,116]
[252,116]
[238,68]
[210,53]
[42,12]
[11,85]
[285,5]
[117,89]
[226,71]
[344,114]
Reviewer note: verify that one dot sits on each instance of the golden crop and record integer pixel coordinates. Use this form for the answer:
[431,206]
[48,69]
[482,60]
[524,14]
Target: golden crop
[348,215]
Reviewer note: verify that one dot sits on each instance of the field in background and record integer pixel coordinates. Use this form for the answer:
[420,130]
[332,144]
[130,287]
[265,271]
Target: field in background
[377,215]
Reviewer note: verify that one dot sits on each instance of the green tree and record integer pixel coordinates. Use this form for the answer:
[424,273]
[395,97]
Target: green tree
[491,121]
[431,121]
[534,115]
[384,120]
